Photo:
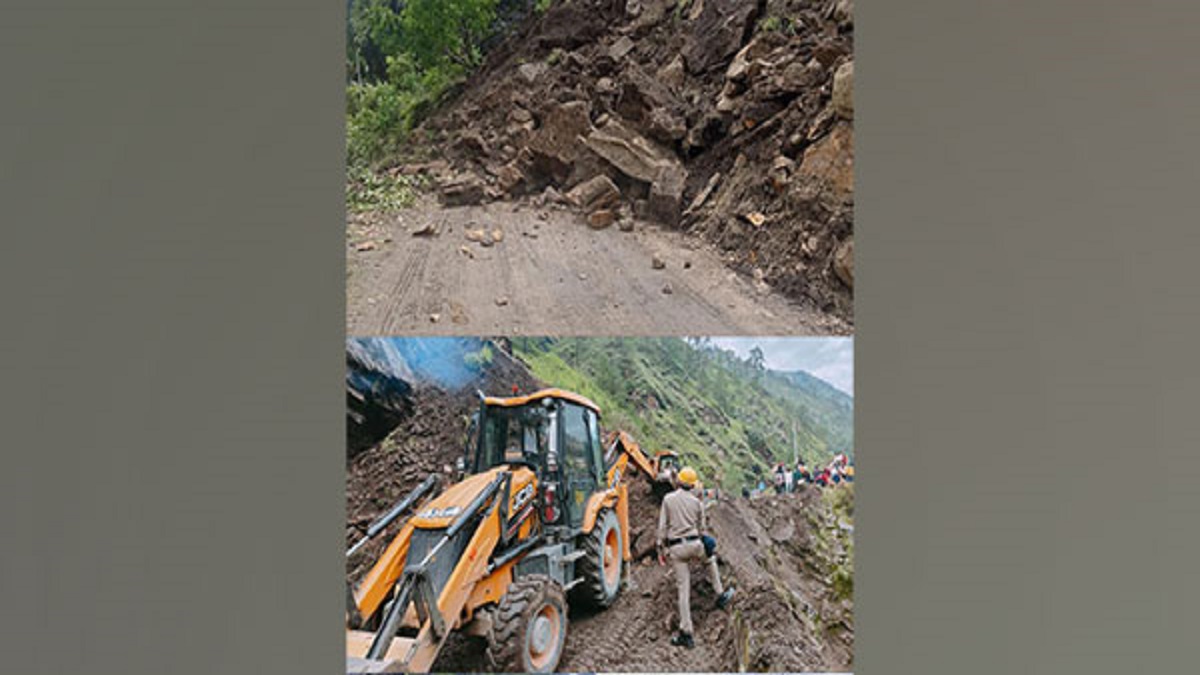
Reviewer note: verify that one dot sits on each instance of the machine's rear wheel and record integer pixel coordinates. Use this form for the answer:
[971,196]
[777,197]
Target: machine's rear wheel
[529,627]
[600,567]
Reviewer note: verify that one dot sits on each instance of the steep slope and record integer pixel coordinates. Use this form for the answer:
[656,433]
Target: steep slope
[727,418]
[729,119]
[790,557]
[785,556]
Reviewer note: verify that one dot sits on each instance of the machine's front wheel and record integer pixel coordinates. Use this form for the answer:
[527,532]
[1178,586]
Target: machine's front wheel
[529,627]
[601,565]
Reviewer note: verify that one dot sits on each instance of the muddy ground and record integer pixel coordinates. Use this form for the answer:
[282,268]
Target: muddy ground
[790,558]
[550,274]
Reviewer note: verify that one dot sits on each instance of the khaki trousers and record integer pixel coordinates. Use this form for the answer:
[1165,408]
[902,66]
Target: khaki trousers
[681,555]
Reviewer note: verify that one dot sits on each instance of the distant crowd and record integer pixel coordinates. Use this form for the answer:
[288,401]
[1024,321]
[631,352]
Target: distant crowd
[786,480]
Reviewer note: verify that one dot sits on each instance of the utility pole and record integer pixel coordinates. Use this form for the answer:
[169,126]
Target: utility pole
[795,453]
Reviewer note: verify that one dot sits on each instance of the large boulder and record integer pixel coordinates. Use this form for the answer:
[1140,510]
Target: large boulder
[645,161]
[628,151]
[843,91]
[509,178]
[598,193]
[830,161]
[570,25]
[461,190]
[843,262]
[718,33]
[554,146]
[649,103]
[842,11]
[747,62]
[666,195]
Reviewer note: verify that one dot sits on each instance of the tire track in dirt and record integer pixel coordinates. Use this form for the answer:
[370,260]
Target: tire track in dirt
[559,278]
[408,273]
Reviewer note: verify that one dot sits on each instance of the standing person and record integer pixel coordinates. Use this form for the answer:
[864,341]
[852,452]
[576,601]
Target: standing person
[681,524]
[789,484]
[798,475]
[779,478]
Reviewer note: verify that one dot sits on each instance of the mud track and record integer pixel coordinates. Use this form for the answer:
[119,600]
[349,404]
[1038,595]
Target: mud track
[550,275]
[784,617]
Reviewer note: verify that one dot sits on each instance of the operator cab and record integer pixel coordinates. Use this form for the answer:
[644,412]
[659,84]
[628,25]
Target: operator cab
[553,432]
[668,461]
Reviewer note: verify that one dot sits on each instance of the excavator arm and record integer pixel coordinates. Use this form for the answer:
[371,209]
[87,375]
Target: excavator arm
[626,450]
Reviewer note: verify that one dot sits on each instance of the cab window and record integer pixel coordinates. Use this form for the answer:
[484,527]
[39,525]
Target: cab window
[577,441]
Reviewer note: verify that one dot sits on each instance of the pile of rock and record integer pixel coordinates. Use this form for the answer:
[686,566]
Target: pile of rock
[690,115]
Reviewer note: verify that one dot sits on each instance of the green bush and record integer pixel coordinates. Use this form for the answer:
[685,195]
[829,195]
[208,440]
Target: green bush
[378,116]
[368,190]
[402,58]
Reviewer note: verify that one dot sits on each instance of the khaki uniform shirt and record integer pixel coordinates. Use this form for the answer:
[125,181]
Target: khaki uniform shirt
[682,515]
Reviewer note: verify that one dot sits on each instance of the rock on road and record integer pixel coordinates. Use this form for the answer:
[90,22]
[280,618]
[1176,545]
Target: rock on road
[425,271]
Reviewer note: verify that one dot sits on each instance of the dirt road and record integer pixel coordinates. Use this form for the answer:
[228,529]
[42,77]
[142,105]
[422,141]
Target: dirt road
[784,618]
[550,274]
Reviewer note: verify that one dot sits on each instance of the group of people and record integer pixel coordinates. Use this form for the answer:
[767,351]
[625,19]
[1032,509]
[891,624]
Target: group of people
[787,480]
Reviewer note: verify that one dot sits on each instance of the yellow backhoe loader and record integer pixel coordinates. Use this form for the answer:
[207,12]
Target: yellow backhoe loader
[540,515]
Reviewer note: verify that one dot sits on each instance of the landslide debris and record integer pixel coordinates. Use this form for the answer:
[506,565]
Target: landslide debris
[789,556]
[696,111]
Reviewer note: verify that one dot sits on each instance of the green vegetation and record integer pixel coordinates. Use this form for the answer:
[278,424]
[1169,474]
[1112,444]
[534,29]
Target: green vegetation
[840,503]
[479,360]
[367,190]
[773,24]
[402,56]
[730,418]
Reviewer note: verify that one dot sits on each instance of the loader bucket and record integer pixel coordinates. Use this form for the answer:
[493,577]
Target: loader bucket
[358,643]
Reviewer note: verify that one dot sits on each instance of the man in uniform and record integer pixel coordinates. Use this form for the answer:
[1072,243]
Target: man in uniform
[681,523]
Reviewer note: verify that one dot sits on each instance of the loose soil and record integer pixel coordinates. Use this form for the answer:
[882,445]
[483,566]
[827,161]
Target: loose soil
[781,552]
[551,274]
[728,123]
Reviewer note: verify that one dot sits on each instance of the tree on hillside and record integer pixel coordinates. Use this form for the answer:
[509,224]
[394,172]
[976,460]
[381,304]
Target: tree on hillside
[447,30]
[374,31]
[757,361]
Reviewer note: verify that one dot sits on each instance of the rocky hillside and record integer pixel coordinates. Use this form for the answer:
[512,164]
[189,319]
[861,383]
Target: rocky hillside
[729,119]
[791,557]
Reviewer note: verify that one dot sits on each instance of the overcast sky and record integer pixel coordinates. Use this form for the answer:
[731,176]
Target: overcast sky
[831,359]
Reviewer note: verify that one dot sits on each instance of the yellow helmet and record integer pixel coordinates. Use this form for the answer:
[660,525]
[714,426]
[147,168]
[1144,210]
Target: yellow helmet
[687,476]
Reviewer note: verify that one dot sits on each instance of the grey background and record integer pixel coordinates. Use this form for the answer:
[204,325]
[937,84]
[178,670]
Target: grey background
[172,282]
[172,489]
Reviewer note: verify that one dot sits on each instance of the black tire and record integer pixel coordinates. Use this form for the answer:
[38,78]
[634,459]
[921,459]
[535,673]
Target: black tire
[533,605]
[601,584]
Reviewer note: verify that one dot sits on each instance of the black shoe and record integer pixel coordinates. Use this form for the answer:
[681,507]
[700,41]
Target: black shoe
[683,640]
[724,598]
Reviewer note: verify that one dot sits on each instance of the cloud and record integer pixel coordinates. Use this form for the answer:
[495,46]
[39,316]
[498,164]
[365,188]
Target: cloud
[831,359]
